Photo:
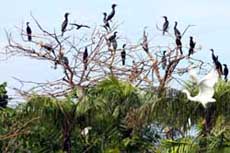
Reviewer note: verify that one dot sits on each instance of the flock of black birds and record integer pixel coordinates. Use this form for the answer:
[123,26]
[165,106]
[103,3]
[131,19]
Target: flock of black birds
[107,18]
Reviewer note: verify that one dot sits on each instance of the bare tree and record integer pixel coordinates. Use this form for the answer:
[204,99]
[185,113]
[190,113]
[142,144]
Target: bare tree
[143,68]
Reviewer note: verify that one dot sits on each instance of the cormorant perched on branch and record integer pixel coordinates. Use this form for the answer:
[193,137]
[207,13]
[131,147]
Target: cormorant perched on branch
[28,31]
[48,47]
[191,46]
[85,58]
[164,60]
[123,54]
[214,58]
[114,44]
[106,23]
[111,15]
[65,60]
[113,37]
[225,72]
[176,31]
[179,44]
[112,41]
[165,25]
[219,67]
[80,26]
[145,42]
[64,23]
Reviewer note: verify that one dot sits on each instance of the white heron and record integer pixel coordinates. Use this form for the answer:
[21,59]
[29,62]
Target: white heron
[206,87]
[85,131]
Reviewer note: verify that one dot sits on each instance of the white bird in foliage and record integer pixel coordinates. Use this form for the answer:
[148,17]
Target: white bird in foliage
[85,131]
[206,87]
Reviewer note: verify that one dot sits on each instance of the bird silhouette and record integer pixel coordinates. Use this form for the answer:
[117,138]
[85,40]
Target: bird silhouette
[176,31]
[64,23]
[164,60]
[165,25]
[123,54]
[113,37]
[179,44]
[79,26]
[206,87]
[191,46]
[48,47]
[65,60]
[113,41]
[144,44]
[28,31]
[85,58]
[106,23]
[114,44]
[218,67]
[214,57]
[111,15]
[225,72]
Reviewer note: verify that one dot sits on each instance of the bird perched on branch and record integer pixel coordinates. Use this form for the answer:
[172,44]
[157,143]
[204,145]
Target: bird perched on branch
[214,57]
[144,44]
[106,23]
[114,44]
[112,41]
[206,87]
[225,72]
[28,31]
[113,37]
[65,60]
[165,25]
[79,26]
[179,44]
[191,46]
[219,67]
[123,54]
[176,31]
[164,60]
[48,47]
[85,58]
[64,23]
[111,15]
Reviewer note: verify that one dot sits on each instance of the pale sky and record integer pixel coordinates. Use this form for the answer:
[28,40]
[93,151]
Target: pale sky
[211,17]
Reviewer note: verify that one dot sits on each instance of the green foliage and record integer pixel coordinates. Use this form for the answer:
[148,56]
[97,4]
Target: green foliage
[3,95]
[123,119]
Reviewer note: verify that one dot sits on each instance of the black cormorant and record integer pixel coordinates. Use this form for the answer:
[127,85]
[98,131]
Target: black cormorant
[85,58]
[113,37]
[123,54]
[114,44]
[219,67]
[164,60]
[191,46]
[145,42]
[65,60]
[64,23]
[80,26]
[165,25]
[106,23]
[225,72]
[179,44]
[214,58]
[48,47]
[28,31]
[111,15]
[176,31]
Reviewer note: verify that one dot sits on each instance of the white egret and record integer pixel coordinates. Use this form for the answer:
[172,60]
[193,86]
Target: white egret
[85,131]
[206,87]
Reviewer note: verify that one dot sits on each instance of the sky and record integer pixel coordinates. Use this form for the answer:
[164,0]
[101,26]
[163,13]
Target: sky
[211,18]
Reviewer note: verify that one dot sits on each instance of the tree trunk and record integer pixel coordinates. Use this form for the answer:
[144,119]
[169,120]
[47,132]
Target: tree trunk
[66,138]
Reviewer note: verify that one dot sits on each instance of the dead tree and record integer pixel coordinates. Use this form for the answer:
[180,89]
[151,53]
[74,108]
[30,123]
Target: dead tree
[66,53]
